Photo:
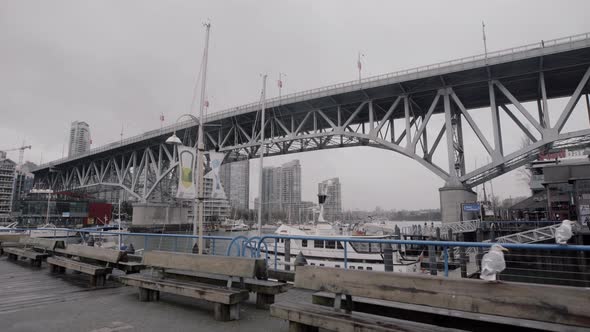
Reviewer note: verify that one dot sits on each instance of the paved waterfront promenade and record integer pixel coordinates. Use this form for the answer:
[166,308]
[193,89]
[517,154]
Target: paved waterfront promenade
[32,299]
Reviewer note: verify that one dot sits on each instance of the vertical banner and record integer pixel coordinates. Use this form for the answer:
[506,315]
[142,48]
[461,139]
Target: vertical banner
[187,157]
[215,160]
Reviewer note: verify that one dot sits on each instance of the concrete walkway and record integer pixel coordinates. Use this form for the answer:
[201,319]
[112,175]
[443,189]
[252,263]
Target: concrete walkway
[32,299]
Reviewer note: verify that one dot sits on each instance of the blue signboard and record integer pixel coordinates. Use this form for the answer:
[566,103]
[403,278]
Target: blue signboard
[471,207]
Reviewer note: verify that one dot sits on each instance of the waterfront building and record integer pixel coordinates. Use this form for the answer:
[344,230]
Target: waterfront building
[235,178]
[333,205]
[79,138]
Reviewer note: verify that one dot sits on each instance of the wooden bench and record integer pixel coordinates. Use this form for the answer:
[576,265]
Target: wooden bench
[265,289]
[10,240]
[35,249]
[541,307]
[94,261]
[226,300]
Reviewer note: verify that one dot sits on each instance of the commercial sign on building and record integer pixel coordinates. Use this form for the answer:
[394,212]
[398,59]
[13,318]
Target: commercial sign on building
[471,207]
[565,154]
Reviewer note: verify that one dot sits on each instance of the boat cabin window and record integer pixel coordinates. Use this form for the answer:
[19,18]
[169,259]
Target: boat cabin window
[304,243]
[330,244]
[318,244]
[312,264]
[321,264]
[337,265]
[340,245]
[369,268]
[360,268]
[366,247]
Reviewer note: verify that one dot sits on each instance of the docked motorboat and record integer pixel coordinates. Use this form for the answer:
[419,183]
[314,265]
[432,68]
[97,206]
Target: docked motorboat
[319,250]
[51,231]
[235,226]
[325,245]
[10,228]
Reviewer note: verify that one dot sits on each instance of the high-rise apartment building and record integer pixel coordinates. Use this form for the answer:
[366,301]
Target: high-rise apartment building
[235,178]
[281,192]
[7,183]
[333,204]
[79,138]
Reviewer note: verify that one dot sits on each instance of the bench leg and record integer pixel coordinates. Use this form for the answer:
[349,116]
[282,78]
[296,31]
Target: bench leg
[100,280]
[11,257]
[263,301]
[226,312]
[61,270]
[298,327]
[144,294]
[36,262]
[153,295]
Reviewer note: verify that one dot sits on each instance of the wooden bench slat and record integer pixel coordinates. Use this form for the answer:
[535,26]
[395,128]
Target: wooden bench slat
[229,266]
[328,318]
[190,289]
[99,254]
[555,304]
[253,285]
[79,266]
[26,253]
[42,243]
[440,316]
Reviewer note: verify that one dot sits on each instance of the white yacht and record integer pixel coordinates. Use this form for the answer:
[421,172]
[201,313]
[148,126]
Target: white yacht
[234,226]
[10,228]
[330,253]
[51,231]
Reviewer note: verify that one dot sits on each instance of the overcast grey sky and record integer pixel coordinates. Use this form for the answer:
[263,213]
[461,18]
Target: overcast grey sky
[122,63]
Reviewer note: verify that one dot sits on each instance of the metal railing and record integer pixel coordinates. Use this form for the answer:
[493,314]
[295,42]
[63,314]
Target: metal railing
[360,83]
[533,263]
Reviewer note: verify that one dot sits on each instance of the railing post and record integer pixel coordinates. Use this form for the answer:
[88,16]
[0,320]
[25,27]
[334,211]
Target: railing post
[345,254]
[450,238]
[175,244]
[479,238]
[432,259]
[462,257]
[446,257]
[287,254]
[145,243]
[213,244]
[275,251]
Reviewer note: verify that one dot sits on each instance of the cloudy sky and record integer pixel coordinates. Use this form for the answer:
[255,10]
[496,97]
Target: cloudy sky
[120,64]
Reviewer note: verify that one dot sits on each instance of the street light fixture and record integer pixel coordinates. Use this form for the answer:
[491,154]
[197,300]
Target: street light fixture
[198,203]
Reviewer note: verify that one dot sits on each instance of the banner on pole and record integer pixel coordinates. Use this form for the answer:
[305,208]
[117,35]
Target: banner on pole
[187,157]
[215,160]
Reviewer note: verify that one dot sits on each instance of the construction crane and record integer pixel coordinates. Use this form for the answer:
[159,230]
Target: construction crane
[21,153]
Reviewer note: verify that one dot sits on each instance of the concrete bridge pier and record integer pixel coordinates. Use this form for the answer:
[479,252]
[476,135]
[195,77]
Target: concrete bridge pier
[451,198]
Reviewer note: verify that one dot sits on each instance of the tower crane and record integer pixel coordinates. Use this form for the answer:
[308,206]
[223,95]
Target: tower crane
[21,152]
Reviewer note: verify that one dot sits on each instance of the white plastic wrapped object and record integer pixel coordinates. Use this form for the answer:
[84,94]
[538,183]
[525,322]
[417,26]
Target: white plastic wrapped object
[493,263]
[564,232]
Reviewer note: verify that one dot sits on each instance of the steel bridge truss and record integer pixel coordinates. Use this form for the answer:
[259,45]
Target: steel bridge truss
[147,170]
[371,123]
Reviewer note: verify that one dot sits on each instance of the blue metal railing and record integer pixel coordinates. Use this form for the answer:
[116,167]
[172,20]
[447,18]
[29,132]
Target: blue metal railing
[255,246]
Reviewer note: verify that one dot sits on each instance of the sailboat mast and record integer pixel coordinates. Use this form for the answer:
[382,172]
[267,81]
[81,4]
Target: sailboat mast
[262,148]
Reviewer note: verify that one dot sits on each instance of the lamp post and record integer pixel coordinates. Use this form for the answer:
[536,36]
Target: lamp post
[200,144]
[198,203]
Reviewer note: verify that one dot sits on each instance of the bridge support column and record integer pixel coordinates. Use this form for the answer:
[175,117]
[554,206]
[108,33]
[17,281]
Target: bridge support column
[451,198]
